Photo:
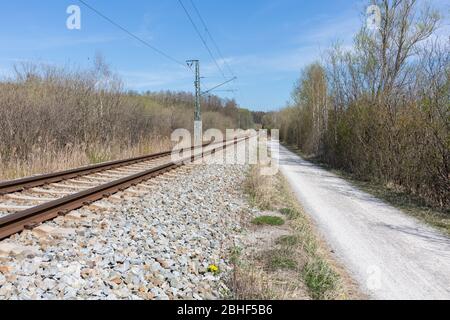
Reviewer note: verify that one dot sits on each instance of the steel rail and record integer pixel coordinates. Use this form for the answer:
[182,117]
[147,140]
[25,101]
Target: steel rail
[40,180]
[30,218]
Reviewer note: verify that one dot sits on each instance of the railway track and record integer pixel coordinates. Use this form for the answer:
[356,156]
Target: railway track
[26,203]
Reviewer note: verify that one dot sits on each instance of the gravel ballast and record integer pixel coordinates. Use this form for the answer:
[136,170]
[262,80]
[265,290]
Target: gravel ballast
[157,244]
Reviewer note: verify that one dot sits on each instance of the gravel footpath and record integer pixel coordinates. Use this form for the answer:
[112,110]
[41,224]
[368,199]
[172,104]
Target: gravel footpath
[157,244]
[390,254]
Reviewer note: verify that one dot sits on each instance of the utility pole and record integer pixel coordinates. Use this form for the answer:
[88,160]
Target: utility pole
[198,125]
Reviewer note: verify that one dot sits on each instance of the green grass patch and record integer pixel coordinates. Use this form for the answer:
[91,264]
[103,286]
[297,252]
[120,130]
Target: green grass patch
[288,241]
[268,220]
[96,157]
[276,259]
[290,213]
[235,254]
[280,262]
[319,278]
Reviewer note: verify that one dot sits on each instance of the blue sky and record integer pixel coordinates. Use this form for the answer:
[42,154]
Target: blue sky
[266,42]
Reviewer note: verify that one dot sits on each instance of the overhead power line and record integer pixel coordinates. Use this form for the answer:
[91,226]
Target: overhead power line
[201,38]
[146,43]
[214,42]
[211,38]
[219,85]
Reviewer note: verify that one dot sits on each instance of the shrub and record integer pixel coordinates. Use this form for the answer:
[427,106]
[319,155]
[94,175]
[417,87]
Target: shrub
[319,277]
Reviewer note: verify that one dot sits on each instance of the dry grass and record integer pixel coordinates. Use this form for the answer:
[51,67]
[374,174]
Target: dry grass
[257,284]
[54,118]
[260,189]
[51,159]
[288,261]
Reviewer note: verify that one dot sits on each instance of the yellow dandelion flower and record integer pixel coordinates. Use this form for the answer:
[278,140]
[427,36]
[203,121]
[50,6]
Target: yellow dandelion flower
[213,269]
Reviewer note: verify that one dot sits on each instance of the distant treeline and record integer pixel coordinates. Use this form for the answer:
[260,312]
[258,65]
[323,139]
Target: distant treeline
[47,110]
[381,109]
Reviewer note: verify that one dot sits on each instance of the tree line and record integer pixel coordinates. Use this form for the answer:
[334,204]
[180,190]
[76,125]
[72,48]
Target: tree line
[381,109]
[47,110]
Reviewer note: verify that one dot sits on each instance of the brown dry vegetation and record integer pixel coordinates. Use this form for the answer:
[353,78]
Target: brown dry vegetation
[55,118]
[287,261]
[381,111]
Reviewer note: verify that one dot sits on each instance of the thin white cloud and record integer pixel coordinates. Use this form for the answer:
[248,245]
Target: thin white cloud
[322,30]
[146,29]
[311,38]
[248,65]
[57,42]
[154,80]
[279,62]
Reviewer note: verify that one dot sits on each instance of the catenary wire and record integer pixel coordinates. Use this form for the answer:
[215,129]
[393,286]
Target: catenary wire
[201,38]
[117,25]
[212,38]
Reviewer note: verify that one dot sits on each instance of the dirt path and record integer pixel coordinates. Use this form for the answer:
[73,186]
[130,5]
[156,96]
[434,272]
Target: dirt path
[391,255]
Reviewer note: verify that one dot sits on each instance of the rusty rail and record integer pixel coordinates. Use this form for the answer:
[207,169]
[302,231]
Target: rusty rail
[28,219]
[40,180]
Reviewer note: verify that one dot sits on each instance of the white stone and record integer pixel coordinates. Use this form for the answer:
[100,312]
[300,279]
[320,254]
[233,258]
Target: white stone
[175,224]
[29,268]
[48,284]
[12,249]
[46,230]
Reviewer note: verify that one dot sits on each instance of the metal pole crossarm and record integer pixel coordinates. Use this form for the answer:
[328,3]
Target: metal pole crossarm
[208,91]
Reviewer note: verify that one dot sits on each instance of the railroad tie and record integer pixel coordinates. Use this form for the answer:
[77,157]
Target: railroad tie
[26,198]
